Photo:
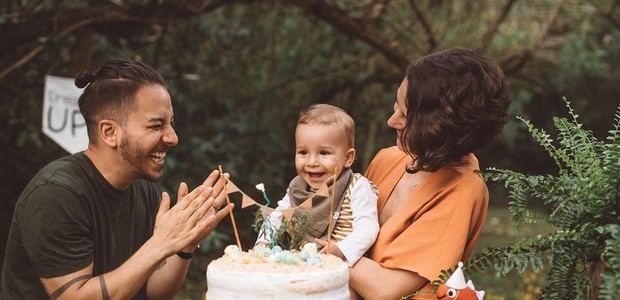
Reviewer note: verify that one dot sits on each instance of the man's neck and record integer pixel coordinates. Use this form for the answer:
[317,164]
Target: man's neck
[110,166]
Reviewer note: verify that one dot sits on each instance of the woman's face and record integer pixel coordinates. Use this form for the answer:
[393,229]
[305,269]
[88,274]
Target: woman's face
[398,120]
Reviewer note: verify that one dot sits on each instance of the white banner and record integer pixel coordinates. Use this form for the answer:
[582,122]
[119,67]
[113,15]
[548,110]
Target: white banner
[62,120]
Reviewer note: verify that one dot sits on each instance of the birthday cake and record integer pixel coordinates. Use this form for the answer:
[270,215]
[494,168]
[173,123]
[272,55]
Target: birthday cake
[273,273]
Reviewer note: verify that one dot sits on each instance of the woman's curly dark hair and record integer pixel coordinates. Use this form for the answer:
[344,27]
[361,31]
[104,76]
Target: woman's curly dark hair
[456,103]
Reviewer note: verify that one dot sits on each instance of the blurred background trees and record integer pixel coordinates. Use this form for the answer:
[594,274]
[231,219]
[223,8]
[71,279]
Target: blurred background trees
[240,71]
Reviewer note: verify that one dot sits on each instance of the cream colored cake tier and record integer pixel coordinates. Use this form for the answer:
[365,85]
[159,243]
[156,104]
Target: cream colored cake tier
[265,273]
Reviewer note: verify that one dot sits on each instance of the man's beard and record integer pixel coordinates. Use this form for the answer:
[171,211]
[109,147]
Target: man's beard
[133,156]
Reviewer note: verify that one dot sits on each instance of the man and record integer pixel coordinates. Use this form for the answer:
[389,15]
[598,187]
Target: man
[89,225]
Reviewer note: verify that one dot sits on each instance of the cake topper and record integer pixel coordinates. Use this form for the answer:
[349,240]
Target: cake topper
[295,224]
[232,216]
[261,187]
[455,288]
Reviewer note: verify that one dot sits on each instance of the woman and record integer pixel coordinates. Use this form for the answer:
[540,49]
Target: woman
[432,199]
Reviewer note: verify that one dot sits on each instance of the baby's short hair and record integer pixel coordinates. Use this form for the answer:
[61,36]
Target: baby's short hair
[325,114]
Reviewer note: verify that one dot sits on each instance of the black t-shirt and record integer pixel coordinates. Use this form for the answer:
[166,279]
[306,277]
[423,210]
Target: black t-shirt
[68,217]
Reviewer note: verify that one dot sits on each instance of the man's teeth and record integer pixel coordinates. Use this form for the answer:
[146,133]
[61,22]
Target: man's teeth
[158,155]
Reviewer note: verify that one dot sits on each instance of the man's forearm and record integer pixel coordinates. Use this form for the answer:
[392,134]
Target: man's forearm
[122,283]
[168,277]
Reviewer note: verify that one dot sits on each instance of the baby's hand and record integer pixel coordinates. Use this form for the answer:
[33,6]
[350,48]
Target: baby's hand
[264,244]
[330,248]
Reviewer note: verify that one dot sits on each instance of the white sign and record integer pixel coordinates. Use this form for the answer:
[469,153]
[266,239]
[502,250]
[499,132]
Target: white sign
[62,120]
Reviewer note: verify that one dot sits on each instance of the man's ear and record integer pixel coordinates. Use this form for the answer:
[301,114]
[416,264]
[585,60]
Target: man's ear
[349,158]
[108,132]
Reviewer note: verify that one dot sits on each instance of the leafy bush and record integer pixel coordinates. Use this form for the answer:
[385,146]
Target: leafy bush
[581,201]
[291,234]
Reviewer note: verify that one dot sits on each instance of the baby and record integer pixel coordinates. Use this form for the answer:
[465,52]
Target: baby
[324,144]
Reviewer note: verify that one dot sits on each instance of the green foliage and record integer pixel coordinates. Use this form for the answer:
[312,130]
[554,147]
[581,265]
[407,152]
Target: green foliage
[291,234]
[583,202]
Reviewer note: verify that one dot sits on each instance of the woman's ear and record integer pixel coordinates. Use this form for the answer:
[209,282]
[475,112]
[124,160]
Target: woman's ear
[108,132]
[349,158]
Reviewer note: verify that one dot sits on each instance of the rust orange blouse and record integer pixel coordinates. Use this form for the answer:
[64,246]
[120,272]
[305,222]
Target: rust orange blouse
[440,222]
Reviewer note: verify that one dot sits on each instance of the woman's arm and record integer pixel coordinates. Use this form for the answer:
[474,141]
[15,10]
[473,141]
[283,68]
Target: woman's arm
[372,281]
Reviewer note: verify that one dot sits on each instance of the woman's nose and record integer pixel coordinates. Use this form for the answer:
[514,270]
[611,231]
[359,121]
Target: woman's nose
[394,122]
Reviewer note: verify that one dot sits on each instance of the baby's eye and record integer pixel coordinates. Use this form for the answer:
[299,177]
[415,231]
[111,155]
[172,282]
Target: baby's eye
[324,153]
[302,152]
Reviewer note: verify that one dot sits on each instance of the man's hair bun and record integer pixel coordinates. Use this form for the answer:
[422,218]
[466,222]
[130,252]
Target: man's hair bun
[83,78]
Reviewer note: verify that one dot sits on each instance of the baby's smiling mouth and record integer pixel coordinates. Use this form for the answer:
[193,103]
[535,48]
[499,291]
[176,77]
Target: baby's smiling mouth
[315,175]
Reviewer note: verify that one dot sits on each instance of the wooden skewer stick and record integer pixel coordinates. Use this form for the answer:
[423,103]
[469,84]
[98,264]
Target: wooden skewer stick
[232,216]
[331,213]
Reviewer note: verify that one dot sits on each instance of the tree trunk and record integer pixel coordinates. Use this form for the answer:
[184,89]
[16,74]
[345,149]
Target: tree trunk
[596,271]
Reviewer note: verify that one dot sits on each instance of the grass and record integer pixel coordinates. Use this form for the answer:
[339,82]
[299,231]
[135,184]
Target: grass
[499,230]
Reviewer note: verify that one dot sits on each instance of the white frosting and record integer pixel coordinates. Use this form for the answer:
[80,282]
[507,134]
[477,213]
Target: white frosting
[250,276]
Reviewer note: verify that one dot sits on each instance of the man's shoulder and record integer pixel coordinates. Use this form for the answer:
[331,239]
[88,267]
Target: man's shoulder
[64,174]
[67,166]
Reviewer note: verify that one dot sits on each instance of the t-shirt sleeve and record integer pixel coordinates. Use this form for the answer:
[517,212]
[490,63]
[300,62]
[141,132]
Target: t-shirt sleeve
[436,239]
[54,227]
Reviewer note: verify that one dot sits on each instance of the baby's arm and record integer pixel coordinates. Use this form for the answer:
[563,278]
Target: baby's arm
[365,222]
[274,220]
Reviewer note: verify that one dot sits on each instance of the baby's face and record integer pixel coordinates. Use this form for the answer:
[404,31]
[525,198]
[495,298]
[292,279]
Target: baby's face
[321,150]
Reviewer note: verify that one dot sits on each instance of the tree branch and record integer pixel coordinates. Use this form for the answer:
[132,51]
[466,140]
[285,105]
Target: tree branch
[349,26]
[79,18]
[69,29]
[432,41]
[374,10]
[515,62]
[489,34]
[607,14]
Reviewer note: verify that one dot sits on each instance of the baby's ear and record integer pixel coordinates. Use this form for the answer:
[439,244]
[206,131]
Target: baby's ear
[350,158]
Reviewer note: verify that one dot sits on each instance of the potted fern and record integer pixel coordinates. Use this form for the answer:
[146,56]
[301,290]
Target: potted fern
[583,201]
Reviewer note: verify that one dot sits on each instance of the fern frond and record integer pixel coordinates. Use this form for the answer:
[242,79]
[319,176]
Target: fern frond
[560,279]
[485,260]
[584,205]
[610,286]
[611,164]
[544,139]
[579,151]
[567,214]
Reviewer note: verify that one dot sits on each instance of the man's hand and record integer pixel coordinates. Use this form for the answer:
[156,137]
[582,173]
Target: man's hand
[193,218]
